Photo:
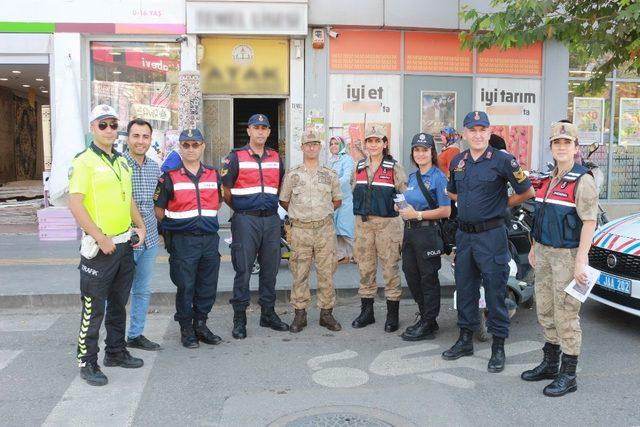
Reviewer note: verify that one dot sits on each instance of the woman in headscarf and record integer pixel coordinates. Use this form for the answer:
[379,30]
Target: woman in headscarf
[342,163]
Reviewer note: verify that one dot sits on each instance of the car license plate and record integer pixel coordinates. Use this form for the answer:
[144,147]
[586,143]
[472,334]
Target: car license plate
[615,283]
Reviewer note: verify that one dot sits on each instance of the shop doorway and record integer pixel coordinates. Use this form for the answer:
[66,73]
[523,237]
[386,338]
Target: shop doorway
[273,108]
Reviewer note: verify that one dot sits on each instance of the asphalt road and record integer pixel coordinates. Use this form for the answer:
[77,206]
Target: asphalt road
[316,377]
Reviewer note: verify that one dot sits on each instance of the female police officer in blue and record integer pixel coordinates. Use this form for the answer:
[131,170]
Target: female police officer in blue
[478,183]
[422,245]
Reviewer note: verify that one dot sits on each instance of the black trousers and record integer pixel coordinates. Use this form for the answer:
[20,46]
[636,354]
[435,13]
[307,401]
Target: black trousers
[104,281]
[194,264]
[255,236]
[421,271]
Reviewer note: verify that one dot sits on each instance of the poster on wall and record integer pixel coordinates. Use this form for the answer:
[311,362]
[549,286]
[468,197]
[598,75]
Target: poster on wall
[588,116]
[356,99]
[437,111]
[513,107]
[629,125]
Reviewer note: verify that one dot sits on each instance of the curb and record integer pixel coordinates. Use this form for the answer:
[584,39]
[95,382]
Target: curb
[168,298]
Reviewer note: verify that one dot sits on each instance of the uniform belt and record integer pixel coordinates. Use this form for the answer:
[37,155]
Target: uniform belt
[259,212]
[412,223]
[479,227]
[121,238]
[191,233]
[311,224]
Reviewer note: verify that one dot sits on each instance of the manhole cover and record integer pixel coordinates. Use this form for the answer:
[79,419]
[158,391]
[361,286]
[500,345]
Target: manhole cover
[338,419]
[339,416]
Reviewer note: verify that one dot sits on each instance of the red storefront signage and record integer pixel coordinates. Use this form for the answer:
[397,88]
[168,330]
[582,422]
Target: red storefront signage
[148,62]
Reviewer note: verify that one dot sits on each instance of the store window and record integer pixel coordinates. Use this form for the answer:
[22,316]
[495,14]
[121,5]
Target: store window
[619,156]
[140,80]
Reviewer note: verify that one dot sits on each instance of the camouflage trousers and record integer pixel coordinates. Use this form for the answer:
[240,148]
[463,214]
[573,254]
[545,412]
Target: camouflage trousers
[313,242]
[557,310]
[378,239]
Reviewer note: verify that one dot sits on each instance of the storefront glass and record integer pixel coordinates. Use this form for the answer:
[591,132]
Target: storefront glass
[140,80]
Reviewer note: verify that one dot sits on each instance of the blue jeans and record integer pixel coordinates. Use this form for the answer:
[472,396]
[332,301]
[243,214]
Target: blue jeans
[140,292]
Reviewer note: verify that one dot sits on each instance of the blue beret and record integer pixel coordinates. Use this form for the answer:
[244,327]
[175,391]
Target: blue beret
[191,135]
[259,120]
[476,118]
[423,140]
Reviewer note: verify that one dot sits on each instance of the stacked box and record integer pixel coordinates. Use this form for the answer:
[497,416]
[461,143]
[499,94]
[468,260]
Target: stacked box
[57,223]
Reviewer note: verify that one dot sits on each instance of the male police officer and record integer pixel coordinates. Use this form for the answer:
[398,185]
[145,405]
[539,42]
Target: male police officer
[478,183]
[100,200]
[187,200]
[251,176]
[311,192]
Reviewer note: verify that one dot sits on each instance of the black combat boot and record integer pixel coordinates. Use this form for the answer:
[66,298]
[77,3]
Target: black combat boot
[425,330]
[548,368]
[496,362]
[270,319]
[366,314]
[328,321]
[204,334]
[188,337]
[418,320]
[92,374]
[462,347]
[299,321]
[565,382]
[392,323]
[124,359]
[239,324]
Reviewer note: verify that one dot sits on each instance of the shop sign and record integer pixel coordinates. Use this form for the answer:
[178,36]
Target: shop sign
[526,61]
[365,50]
[150,112]
[240,17]
[148,62]
[436,53]
[358,98]
[588,115]
[629,126]
[245,66]
[513,107]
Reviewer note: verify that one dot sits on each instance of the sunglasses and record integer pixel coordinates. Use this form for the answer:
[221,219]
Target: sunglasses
[186,145]
[112,125]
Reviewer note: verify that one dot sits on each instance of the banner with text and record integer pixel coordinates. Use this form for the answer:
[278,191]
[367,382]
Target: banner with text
[513,106]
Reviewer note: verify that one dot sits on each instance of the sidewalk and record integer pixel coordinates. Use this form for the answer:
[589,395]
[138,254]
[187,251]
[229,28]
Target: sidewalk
[36,273]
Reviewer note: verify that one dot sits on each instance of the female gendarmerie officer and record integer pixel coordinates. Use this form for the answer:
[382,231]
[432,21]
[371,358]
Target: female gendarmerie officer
[422,245]
[565,218]
[376,180]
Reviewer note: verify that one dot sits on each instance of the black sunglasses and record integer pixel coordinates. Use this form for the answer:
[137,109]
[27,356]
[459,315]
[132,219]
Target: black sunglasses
[186,145]
[112,125]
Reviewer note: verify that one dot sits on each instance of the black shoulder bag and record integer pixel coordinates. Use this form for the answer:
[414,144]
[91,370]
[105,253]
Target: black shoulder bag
[447,227]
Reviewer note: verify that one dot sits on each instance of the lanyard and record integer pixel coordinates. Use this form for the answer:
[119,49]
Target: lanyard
[117,174]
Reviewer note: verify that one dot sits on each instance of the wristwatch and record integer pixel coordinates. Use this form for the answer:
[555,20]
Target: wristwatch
[419,216]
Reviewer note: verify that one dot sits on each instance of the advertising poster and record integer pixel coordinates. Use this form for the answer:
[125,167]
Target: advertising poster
[513,107]
[629,130]
[374,99]
[588,115]
[437,111]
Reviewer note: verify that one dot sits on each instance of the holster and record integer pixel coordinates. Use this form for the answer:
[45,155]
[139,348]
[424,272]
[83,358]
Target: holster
[167,236]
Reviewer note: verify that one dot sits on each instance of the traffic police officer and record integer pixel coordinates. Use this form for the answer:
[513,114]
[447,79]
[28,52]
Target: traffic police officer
[478,183]
[187,200]
[376,180]
[251,176]
[422,245]
[310,193]
[566,211]
[100,201]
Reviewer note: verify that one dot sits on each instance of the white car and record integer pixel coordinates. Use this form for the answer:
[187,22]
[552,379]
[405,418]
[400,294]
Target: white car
[615,252]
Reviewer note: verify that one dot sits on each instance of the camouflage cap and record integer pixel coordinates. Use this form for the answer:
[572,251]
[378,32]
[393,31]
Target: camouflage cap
[562,130]
[374,132]
[310,136]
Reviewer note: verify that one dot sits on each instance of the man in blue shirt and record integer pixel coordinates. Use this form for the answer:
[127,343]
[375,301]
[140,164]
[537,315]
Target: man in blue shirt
[478,183]
[145,178]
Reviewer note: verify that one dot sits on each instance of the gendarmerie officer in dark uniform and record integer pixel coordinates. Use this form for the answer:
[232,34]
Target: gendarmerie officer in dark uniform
[251,176]
[478,182]
[187,200]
